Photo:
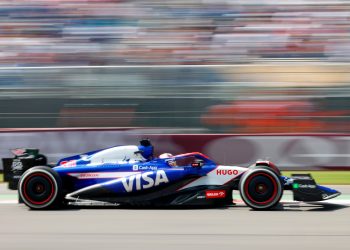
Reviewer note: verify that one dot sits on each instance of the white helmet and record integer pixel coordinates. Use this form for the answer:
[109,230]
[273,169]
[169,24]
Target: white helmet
[165,155]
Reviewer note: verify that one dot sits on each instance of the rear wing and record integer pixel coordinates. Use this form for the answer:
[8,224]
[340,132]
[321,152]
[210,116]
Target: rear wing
[23,160]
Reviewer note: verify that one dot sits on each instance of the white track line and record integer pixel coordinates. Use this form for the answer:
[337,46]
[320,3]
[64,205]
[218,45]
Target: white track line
[8,201]
[292,202]
[240,202]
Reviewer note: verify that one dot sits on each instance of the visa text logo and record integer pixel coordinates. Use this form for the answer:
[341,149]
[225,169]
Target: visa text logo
[144,181]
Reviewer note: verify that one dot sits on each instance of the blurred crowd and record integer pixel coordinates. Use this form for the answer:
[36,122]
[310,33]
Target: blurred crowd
[117,32]
[310,95]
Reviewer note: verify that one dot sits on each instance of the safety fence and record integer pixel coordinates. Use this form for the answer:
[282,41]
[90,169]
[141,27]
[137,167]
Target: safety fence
[288,151]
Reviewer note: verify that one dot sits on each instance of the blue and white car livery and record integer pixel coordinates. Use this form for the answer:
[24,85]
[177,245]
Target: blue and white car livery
[130,175]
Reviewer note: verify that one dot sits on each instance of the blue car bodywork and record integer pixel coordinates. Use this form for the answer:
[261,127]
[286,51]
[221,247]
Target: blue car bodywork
[130,175]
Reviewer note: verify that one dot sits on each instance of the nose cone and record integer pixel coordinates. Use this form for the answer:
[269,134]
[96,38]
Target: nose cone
[328,193]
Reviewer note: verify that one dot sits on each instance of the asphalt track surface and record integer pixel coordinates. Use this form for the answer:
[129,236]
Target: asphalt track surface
[291,226]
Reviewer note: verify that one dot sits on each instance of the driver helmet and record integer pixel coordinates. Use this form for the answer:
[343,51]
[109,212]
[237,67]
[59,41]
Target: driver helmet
[165,155]
[171,162]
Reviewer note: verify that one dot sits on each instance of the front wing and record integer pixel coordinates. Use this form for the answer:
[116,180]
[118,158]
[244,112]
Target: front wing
[305,188]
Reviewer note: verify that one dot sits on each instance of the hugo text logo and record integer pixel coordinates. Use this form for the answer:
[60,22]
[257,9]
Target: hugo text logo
[226,172]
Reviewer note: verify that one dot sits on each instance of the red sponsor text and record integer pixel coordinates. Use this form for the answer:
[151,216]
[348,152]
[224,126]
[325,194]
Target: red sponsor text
[226,172]
[215,194]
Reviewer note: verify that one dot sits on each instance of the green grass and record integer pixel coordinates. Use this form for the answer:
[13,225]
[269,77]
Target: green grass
[325,177]
[1,177]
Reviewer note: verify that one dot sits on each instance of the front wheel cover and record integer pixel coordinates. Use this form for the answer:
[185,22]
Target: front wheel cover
[40,188]
[260,188]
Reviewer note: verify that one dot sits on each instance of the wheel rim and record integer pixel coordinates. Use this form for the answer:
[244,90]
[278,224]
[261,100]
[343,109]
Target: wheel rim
[261,188]
[38,188]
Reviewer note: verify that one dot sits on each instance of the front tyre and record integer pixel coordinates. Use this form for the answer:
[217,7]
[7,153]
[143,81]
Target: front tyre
[40,188]
[260,188]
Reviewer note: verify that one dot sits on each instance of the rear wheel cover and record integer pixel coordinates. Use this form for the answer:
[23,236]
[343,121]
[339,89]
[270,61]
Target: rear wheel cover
[38,188]
[260,188]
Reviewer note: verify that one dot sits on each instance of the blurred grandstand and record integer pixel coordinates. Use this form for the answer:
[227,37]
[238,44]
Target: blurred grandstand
[210,66]
[104,32]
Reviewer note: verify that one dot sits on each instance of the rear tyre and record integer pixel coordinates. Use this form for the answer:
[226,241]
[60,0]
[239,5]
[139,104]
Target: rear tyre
[40,188]
[260,188]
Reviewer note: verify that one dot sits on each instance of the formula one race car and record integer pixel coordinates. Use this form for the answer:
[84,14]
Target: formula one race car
[130,175]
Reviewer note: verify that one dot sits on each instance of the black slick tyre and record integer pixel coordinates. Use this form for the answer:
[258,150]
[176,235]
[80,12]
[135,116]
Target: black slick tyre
[40,188]
[260,188]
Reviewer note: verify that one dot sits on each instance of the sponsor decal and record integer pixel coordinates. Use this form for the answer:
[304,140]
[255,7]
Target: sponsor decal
[88,175]
[215,194]
[148,168]
[16,165]
[101,175]
[297,185]
[68,164]
[144,181]
[226,172]
[307,186]
[140,167]
[303,177]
